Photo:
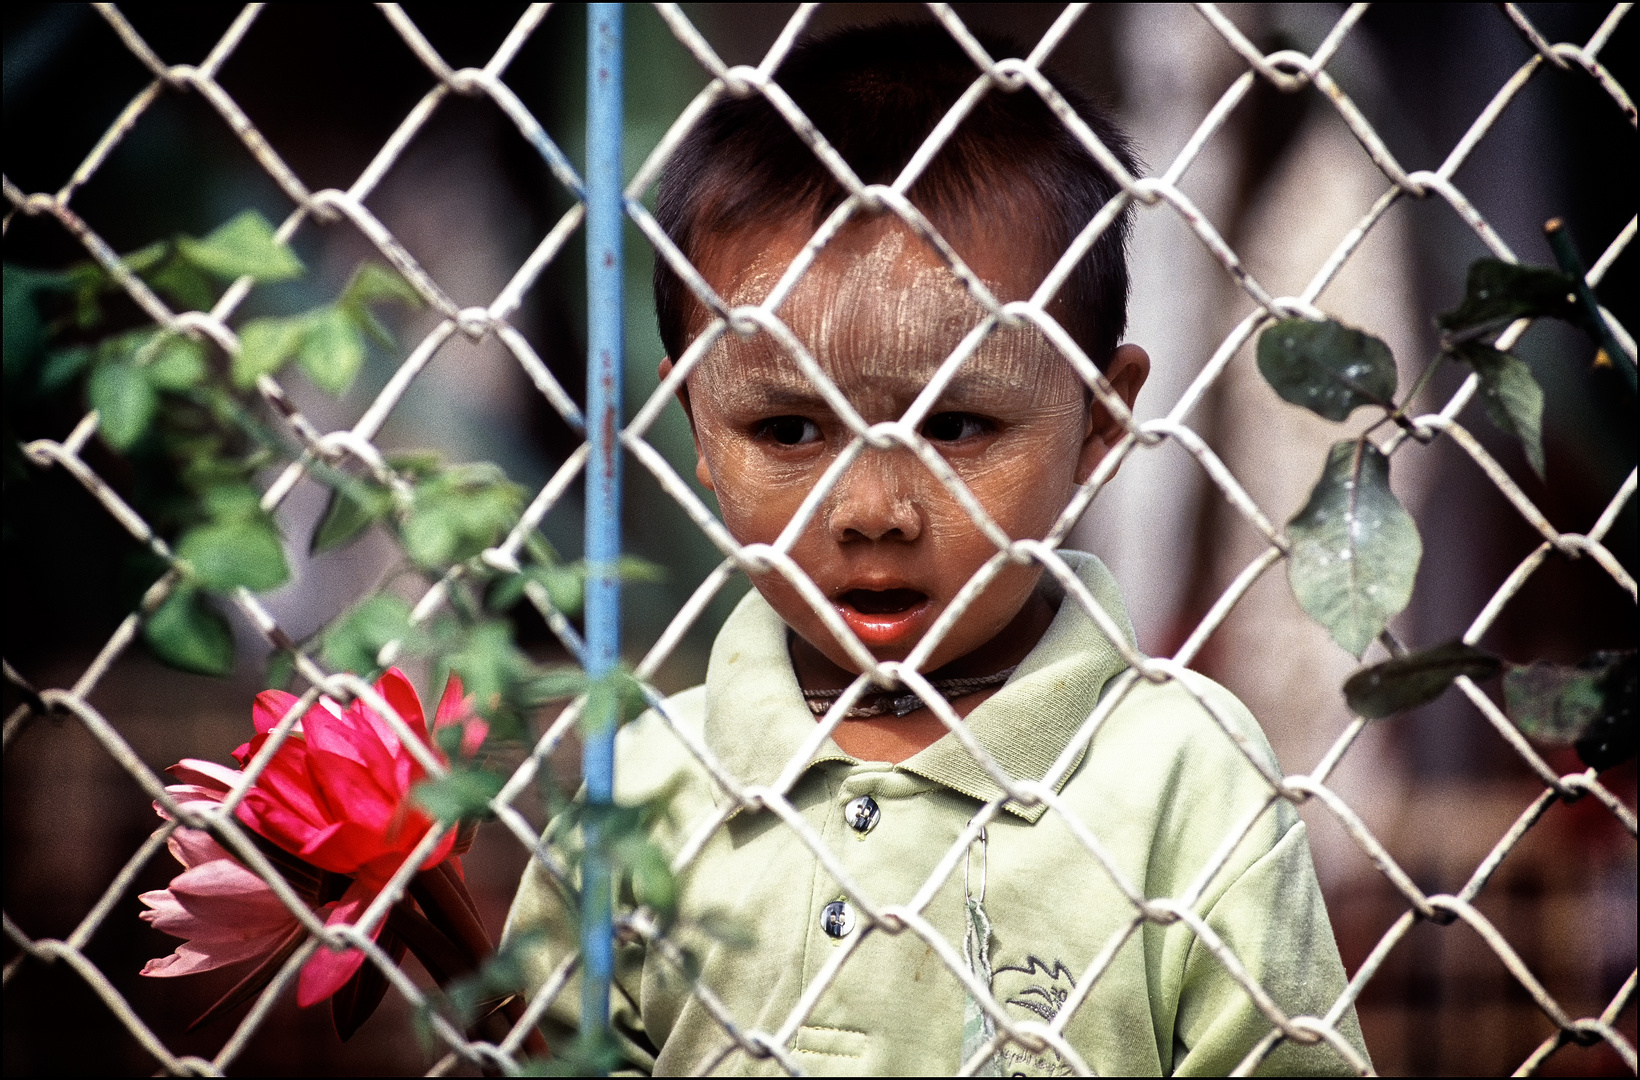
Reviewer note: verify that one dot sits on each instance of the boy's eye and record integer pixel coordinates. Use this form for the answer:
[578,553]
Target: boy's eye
[953,427]
[790,430]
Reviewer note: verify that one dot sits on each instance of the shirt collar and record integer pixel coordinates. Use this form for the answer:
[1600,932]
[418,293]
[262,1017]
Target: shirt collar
[757,720]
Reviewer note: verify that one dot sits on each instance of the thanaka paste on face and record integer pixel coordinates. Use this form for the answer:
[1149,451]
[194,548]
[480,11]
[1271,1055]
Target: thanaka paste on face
[881,313]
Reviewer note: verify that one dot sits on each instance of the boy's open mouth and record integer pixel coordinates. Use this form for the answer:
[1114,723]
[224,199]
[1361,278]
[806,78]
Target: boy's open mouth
[882,601]
[884,618]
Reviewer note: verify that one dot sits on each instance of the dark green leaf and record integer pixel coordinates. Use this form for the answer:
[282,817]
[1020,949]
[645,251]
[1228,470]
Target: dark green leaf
[1408,681]
[594,1053]
[1590,705]
[125,402]
[1513,398]
[463,794]
[238,551]
[352,509]
[1355,549]
[185,283]
[188,633]
[1498,292]
[178,363]
[63,367]
[265,345]
[244,245]
[1327,367]
[24,331]
[332,350]
[354,641]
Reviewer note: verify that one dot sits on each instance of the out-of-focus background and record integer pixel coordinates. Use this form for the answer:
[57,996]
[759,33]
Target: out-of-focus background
[1284,181]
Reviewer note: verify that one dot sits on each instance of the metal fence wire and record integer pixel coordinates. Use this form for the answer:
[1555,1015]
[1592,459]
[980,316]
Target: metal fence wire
[601,202]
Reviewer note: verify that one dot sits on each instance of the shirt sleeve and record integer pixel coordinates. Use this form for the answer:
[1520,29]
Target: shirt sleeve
[1273,918]
[542,924]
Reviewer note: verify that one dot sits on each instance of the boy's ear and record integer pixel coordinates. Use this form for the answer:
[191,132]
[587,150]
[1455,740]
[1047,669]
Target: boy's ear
[702,474]
[1127,371]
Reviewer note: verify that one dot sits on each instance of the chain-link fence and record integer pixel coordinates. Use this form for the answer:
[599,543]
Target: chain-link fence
[600,201]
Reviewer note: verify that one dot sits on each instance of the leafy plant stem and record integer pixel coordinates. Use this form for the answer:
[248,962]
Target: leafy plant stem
[1560,242]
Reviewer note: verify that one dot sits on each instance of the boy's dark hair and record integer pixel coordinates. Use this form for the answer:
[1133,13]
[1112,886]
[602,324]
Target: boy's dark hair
[876,93]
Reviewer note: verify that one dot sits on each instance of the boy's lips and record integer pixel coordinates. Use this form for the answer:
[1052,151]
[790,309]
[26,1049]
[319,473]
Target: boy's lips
[883,617]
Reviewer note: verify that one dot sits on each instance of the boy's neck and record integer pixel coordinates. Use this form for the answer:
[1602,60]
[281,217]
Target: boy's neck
[895,738]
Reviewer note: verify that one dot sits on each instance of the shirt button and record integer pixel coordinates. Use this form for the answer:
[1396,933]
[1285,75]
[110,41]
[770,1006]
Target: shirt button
[862,814]
[837,919]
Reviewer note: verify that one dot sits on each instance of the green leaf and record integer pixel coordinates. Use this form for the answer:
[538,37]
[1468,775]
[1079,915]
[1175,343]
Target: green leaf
[187,632]
[1590,705]
[24,330]
[178,363]
[183,282]
[1498,292]
[459,513]
[1411,680]
[372,283]
[352,509]
[332,350]
[238,551]
[233,501]
[1513,398]
[63,367]
[265,345]
[417,464]
[462,794]
[140,261]
[125,402]
[354,641]
[280,670]
[1327,367]
[1355,549]
[494,672]
[244,245]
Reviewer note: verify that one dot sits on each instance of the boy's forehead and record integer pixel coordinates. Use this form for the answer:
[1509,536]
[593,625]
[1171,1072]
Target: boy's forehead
[878,307]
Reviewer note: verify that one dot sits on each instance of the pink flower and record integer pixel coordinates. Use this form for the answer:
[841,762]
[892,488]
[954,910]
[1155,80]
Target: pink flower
[337,795]
[226,913]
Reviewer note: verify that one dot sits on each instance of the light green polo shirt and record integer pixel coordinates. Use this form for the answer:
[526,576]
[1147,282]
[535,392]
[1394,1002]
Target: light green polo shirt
[1159,786]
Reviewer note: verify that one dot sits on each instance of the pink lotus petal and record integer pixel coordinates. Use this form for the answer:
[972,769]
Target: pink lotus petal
[188,960]
[226,902]
[192,847]
[327,972]
[207,775]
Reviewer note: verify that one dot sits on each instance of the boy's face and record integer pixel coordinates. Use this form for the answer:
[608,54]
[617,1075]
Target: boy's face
[890,547]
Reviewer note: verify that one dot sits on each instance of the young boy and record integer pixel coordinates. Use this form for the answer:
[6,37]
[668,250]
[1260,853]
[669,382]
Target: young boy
[1160,785]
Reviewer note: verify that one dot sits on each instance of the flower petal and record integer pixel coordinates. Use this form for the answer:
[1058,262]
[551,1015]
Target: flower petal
[188,960]
[220,901]
[452,706]
[207,775]
[355,792]
[192,847]
[327,972]
[270,708]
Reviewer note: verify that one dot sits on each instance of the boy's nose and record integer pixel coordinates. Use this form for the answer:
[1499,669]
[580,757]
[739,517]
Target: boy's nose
[870,503]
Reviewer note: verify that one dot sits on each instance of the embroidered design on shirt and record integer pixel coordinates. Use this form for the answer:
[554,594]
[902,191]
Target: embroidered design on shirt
[1050,987]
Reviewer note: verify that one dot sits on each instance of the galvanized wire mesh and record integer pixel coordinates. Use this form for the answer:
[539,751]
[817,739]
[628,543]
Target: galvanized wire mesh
[1158,193]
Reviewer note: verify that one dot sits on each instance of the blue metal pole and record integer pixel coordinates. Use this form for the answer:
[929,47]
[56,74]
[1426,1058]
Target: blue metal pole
[605,362]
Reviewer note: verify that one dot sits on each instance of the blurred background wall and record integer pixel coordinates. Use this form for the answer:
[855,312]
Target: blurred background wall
[1283,182]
